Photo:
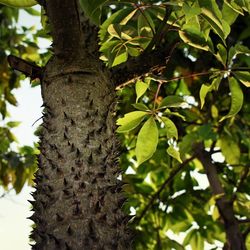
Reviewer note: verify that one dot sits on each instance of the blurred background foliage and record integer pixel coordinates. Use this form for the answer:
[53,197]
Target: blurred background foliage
[17,164]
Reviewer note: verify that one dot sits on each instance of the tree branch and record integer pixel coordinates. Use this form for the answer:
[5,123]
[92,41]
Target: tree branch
[235,238]
[135,67]
[29,69]
[65,20]
[163,186]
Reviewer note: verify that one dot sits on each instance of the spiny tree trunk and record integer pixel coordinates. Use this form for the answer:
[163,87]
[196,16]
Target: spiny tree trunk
[78,197]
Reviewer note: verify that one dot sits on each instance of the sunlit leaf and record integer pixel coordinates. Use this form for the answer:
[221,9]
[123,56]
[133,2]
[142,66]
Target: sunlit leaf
[128,17]
[13,124]
[170,128]
[130,121]
[140,89]
[19,3]
[172,151]
[121,56]
[147,141]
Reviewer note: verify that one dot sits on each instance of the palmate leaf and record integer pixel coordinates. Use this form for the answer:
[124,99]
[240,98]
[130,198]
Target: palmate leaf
[147,141]
[236,98]
[19,3]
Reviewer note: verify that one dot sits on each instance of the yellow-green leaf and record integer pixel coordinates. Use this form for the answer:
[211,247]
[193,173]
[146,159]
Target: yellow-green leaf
[130,121]
[236,98]
[174,153]
[140,88]
[147,141]
[19,3]
[230,149]
[170,128]
[121,56]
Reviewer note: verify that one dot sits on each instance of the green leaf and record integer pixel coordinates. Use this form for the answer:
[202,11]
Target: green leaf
[13,124]
[205,89]
[236,50]
[234,6]
[197,241]
[19,3]
[114,30]
[196,40]
[243,76]
[171,129]
[128,17]
[147,141]
[130,121]
[212,14]
[140,88]
[191,10]
[174,153]
[145,24]
[114,18]
[236,98]
[120,57]
[92,8]
[230,149]
[172,101]
[222,54]
[140,106]
[229,14]
[188,237]
[133,51]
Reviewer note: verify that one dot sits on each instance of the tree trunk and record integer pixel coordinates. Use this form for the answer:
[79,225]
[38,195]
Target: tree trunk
[235,240]
[78,196]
